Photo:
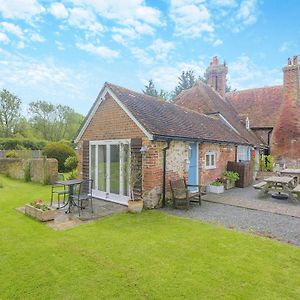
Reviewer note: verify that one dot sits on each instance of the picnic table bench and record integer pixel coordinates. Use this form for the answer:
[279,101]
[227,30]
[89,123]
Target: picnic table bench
[260,185]
[296,191]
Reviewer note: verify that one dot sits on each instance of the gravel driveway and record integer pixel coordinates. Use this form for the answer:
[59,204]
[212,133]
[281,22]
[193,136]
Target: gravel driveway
[284,228]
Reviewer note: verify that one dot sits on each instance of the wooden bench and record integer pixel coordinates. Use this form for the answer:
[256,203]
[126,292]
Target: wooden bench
[181,196]
[260,185]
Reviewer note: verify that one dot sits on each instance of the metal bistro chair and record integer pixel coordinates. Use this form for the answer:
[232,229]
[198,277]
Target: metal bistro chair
[83,193]
[59,190]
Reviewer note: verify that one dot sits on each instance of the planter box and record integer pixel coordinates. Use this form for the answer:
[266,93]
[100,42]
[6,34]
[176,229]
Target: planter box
[215,189]
[229,184]
[39,214]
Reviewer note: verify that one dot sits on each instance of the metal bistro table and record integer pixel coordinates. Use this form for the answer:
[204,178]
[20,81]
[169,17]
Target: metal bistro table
[70,184]
[280,183]
[292,172]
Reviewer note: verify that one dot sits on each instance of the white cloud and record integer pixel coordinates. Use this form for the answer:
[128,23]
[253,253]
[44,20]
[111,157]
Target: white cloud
[124,10]
[60,45]
[101,51]
[4,38]
[244,73]
[191,18]
[225,3]
[166,77]
[247,12]
[141,55]
[217,43]
[20,9]
[58,10]
[20,45]
[161,49]
[13,29]
[85,19]
[35,37]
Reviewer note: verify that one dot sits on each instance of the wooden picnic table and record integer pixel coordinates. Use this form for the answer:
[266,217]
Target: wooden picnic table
[280,183]
[292,172]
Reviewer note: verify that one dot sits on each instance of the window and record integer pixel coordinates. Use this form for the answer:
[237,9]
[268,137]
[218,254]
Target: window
[210,160]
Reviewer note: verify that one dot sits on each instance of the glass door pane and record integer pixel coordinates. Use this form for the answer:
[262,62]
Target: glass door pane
[102,168]
[93,164]
[115,169]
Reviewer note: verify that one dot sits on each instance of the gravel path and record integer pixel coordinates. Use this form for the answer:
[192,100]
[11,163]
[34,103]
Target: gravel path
[284,228]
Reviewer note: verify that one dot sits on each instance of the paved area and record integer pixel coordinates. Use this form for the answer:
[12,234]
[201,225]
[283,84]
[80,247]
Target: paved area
[254,199]
[281,227]
[64,221]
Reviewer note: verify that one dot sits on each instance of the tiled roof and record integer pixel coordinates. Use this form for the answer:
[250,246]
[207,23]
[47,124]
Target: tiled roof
[163,119]
[261,105]
[203,99]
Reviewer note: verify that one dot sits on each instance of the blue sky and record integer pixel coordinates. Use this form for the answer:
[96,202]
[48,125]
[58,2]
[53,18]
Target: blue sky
[64,51]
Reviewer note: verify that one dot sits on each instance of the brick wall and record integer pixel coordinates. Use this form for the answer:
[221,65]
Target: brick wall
[224,154]
[286,135]
[108,123]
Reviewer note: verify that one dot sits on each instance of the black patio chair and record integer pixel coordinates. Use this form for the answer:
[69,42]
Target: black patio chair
[83,194]
[59,190]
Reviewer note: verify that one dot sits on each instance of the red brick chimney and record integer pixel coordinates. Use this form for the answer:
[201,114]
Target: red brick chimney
[216,75]
[286,134]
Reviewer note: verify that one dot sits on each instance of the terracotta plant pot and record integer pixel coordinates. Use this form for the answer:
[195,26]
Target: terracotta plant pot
[135,206]
[39,214]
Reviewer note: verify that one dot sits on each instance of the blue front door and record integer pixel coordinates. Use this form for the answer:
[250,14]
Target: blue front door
[192,176]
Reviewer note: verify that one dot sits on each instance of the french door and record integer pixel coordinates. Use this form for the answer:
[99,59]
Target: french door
[110,169]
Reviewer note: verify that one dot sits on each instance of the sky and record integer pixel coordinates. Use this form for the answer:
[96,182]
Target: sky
[64,51]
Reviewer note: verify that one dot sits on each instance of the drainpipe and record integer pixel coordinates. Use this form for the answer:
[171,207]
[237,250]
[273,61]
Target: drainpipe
[165,172]
[269,140]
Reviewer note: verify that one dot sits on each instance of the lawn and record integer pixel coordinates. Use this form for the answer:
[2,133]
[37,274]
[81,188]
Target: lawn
[148,256]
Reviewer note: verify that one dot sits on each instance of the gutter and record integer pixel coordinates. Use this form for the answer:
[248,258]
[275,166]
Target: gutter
[165,172]
[158,137]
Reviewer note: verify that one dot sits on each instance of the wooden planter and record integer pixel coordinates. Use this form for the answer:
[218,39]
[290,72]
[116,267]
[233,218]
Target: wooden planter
[215,189]
[229,184]
[40,214]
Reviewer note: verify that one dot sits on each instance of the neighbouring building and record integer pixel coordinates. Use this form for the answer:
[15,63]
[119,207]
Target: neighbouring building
[274,114]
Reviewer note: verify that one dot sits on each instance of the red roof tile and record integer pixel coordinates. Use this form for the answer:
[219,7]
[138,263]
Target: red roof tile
[261,105]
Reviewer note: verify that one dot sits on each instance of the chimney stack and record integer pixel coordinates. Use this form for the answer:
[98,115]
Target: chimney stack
[216,75]
[286,134]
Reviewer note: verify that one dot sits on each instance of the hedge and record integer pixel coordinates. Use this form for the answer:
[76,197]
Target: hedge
[19,144]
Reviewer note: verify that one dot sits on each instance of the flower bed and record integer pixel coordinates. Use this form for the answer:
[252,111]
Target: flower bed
[40,210]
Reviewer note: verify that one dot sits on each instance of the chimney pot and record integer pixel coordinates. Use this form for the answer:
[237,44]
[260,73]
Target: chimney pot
[295,60]
[289,61]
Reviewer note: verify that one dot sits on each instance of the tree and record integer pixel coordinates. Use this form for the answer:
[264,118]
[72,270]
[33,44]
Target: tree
[150,89]
[186,80]
[54,122]
[10,111]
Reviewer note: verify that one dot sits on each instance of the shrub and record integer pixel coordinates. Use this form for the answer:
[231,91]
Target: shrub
[71,163]
[11,154]
[60,151]
[27,176]
[231,176]
[266,163]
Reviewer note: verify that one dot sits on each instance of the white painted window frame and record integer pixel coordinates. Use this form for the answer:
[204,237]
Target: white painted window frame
[210,166]
[108,143]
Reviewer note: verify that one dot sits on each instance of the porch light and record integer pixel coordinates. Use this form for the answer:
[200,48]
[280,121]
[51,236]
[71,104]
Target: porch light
[144,149]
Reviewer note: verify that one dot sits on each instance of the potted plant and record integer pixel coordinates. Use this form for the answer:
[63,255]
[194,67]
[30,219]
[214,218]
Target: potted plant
[216,187]
[229,178]
[135,204]
[40,210]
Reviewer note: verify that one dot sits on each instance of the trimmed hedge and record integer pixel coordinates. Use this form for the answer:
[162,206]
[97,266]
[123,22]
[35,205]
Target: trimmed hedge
[18,144]
[60,151]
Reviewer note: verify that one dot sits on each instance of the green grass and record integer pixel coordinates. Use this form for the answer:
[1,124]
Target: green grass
[146,256]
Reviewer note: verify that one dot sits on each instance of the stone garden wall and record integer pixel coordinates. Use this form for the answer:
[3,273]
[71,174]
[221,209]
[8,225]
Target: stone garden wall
[35,169]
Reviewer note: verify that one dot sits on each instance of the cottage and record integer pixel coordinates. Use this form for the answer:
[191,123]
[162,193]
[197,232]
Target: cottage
[169,139]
